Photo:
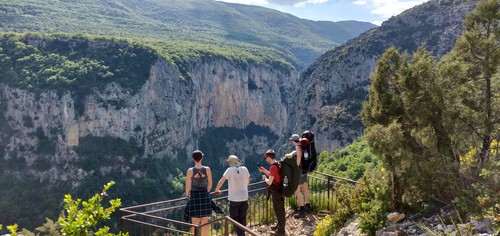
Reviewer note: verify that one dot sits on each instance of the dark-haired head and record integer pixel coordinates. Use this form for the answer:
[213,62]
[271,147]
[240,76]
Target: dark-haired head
[197,155]
[271,154]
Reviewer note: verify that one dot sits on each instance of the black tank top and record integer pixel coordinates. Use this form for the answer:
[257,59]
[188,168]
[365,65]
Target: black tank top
[199,181]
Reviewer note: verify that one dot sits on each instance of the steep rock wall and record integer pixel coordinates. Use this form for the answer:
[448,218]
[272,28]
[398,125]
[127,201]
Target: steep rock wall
[166,117]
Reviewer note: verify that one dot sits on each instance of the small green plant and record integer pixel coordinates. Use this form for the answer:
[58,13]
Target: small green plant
[325,227]
[12,229]
[370,200]
[83,217]
[342,211]
[49,228]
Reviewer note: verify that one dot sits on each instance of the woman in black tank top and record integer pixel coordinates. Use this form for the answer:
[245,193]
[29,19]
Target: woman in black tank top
[198,185]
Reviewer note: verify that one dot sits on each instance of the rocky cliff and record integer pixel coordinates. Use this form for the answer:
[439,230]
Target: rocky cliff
[337,82]
[165,115]
[142,138]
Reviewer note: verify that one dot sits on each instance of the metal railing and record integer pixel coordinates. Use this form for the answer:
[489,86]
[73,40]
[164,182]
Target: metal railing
[167,217]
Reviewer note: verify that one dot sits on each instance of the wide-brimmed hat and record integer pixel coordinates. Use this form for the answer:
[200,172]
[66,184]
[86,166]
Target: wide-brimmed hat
[234,161]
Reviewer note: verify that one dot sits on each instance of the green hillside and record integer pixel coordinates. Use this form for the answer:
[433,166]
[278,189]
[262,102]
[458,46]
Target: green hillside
[187,20]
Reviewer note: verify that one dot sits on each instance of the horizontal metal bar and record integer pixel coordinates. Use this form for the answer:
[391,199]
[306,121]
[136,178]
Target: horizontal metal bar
[159,218]
[336,177]
[160,227]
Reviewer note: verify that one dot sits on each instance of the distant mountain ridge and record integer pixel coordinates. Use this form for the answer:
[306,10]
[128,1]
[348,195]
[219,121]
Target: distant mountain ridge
[192,20]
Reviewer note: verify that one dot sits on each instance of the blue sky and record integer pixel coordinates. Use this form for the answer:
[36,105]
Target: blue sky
[375,11]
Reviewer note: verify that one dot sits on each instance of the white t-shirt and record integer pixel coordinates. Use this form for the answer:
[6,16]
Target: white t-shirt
[237,183]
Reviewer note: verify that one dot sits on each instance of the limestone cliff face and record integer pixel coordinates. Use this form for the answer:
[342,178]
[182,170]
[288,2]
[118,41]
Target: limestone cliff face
[166,117]
[227,96]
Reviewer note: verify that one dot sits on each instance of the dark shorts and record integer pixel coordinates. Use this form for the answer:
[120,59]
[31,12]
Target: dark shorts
[303,178]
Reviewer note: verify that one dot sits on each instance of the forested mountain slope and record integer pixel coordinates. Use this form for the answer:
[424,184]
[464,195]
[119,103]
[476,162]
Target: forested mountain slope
[337,82]
[191,20]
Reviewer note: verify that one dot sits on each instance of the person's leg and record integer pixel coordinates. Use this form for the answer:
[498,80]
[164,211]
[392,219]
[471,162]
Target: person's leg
[243,216]
[195,221]
[233,212]
[301,212]
[279,211]
[305,190]
[204,229]
[307,197]
[300,197]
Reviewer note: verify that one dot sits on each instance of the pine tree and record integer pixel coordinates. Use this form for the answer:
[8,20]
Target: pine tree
[382,115]
[471,72]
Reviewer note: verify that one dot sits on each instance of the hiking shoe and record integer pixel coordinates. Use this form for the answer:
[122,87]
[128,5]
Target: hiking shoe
[308,208]
[300,213]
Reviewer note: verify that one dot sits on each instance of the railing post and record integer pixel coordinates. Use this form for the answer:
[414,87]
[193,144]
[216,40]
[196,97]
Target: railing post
[328,193]
[120,214]
[226,227]
[197,231]
[267,209]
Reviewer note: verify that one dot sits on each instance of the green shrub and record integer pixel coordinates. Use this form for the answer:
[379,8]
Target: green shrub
[370,200]
[483,199]
[341,213]
[79,218]
[349,162]
[325,227]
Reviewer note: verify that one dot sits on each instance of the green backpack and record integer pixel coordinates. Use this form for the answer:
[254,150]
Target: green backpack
[290,174]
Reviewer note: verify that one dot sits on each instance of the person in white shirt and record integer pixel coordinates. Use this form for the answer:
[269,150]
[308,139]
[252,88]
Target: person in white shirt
[238,180]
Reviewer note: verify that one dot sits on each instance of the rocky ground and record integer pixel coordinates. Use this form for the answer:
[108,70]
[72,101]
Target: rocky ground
[411,225]
[296,227]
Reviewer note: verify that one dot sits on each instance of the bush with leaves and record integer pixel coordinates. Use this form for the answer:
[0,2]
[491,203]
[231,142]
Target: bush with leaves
[370,200]
[349,162]
[325,227]
[80,218]
[341,213]
[483,199]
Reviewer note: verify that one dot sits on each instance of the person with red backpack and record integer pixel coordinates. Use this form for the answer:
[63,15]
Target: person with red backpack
[274,182]
[302,192]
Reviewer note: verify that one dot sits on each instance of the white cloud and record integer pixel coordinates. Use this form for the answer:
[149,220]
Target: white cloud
[388,8]
[296,3]
[360,2]
[247,2]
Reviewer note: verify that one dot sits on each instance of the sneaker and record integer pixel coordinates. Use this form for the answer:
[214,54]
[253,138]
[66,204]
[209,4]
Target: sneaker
[308,208]
[300,213]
